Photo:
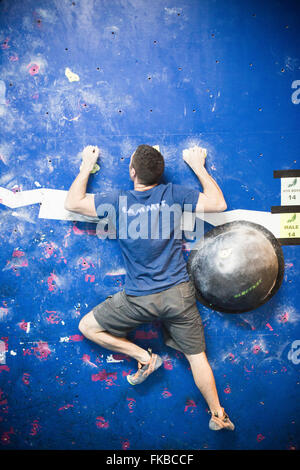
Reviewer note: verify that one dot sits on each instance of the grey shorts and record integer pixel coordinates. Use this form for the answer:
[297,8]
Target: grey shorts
[175,307]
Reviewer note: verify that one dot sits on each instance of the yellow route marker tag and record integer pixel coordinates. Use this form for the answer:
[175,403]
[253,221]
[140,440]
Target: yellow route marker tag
[290,225]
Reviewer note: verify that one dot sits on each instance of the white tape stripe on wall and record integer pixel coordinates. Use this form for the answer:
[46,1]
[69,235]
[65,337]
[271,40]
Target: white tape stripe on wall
[52,207]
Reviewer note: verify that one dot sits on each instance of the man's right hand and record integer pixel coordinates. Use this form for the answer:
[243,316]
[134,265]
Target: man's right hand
[90,155]
[212,199]
[195,157]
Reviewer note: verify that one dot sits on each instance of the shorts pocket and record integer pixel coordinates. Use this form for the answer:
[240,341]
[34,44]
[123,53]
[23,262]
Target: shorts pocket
[187,293]
[118,299]
[187,289]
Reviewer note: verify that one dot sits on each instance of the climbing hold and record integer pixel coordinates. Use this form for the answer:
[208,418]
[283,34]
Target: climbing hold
[236,267]
[71,76]
[95,168]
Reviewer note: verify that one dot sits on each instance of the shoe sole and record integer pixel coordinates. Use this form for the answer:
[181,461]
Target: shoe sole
[215,427]
[128,380]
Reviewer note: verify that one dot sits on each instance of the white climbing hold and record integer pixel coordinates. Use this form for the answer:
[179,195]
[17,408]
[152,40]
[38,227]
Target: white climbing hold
[71,76]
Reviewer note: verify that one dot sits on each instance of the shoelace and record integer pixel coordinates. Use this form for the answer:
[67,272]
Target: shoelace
[140,365]
[224,418]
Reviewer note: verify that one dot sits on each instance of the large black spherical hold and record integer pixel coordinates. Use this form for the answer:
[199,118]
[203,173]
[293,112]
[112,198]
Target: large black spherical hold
[236,267]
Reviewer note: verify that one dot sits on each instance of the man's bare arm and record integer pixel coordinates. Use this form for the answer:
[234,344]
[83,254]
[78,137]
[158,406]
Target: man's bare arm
[77,200]
[212,198]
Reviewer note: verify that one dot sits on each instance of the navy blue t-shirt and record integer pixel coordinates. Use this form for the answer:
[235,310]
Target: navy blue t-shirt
[148,231]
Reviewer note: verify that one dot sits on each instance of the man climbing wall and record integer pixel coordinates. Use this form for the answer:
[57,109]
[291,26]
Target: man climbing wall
[157,284]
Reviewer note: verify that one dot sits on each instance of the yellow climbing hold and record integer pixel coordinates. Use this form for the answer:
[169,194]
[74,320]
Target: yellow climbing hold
[71,76]
[95,168]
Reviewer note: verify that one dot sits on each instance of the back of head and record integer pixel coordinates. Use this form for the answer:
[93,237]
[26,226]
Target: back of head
[148,163]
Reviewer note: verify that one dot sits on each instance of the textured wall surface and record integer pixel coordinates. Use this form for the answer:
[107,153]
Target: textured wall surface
[224,75]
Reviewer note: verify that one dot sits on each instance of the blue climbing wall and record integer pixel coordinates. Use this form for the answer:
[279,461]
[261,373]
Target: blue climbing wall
[224,75]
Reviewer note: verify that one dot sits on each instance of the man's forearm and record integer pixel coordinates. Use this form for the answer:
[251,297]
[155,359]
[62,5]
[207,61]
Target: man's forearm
[210,187]
[212,197]
[77,190]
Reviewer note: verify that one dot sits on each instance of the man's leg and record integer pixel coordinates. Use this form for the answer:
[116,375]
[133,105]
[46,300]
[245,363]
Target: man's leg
[204,379]
[91,329]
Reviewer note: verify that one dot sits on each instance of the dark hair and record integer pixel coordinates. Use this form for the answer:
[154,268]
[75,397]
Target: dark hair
[148,163]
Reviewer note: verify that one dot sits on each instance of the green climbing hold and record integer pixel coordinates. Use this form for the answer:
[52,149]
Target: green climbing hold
[96,168]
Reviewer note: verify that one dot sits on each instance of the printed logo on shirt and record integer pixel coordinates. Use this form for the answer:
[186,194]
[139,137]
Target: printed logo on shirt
[142,208]
[151,221]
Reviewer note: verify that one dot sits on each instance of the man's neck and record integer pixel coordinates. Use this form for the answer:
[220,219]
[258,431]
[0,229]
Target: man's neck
[143,187]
